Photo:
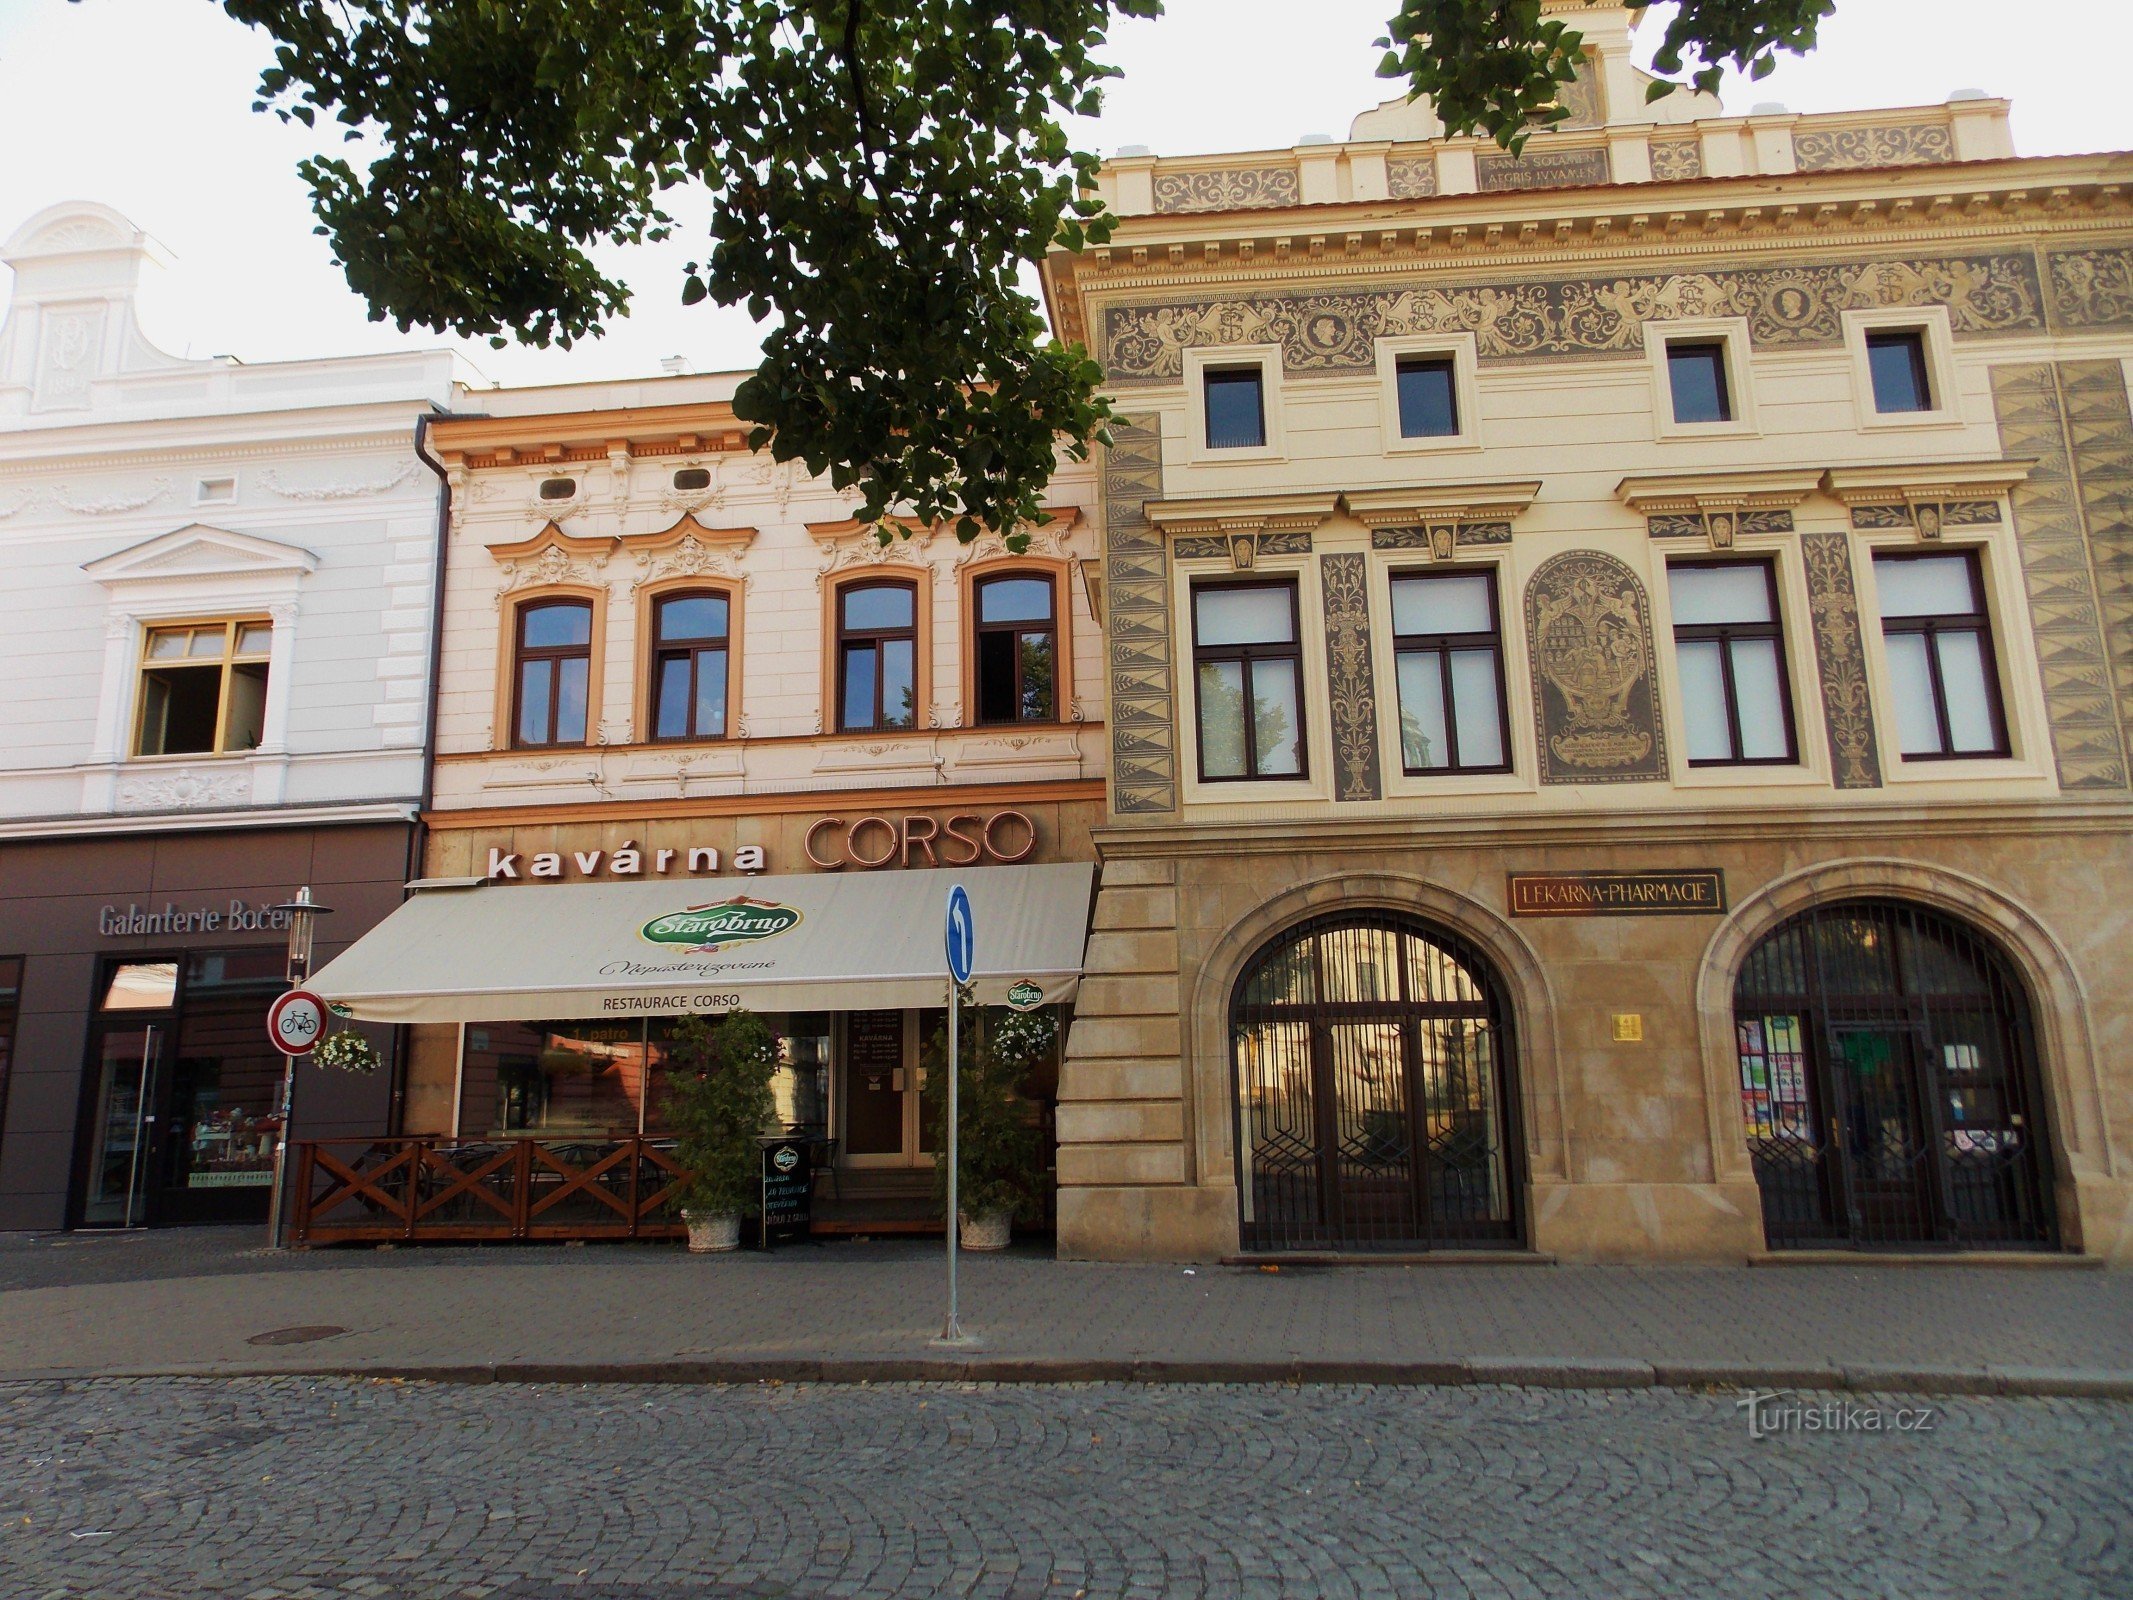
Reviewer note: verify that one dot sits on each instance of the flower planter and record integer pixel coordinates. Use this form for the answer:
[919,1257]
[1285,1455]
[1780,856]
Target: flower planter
[989,1230]
[712,1232]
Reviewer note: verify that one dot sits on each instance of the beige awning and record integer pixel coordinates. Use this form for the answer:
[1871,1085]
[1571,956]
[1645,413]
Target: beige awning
[821,942]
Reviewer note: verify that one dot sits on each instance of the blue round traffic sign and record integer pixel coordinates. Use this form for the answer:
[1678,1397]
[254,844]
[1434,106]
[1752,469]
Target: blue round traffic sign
[962,935]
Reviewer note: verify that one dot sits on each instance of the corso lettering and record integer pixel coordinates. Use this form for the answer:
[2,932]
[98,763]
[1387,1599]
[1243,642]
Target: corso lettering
[960,840]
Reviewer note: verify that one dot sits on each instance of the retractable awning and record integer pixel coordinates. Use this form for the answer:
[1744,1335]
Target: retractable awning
[820,942]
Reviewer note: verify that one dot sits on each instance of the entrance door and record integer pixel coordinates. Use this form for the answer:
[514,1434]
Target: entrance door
[889,1095]
[122,1148]
[1884,1168]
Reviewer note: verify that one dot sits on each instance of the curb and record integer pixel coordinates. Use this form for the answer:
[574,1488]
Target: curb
[2085,1383]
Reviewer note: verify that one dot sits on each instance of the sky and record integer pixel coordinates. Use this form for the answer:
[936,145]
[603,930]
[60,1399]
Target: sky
[144,105]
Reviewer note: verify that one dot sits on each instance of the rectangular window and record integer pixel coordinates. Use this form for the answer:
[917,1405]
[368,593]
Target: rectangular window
[1729,646]
[552,672]
[1016,644]
[1696,371]
[1429,402]
[1896,361]
[1941,663]
[877,654]
[10,1009]
[1248,675]
[204,688]
[1236,407]
[1448,659]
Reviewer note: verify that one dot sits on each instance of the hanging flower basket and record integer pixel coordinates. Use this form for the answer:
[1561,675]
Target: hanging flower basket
[347,1050]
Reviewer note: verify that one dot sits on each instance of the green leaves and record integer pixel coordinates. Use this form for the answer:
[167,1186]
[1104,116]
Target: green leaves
[1497,66]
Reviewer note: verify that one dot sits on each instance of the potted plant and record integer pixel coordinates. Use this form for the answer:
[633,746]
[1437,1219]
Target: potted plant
[717,1101]
[998,1147]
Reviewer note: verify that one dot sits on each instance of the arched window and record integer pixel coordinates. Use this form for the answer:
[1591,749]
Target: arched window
[877,656]
[1017,648]
[689,666]
[552,672]
[1888,1083]
[1372,1094]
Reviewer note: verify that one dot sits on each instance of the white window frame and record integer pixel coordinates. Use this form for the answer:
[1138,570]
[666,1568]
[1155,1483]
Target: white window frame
[1732,334]
[1317,690]
[1199,359]
[1932,321]
[1400,784]
[1460,348]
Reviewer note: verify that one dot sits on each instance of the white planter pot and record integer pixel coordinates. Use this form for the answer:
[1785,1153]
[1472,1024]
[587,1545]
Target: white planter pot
[712,1232]
[991,1231]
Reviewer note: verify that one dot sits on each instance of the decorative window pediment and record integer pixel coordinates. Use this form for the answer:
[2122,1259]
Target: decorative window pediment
[1929,496]
[553,537]
[1441,519]
[1242,527]
[1718,506]
[199,552]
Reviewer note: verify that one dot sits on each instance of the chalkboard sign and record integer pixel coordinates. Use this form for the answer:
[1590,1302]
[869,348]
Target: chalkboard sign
[788,1190]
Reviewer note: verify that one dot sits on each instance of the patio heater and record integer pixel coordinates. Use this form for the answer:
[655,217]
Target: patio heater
[303,913]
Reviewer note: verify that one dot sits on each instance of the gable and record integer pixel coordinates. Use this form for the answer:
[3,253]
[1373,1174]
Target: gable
[199,551]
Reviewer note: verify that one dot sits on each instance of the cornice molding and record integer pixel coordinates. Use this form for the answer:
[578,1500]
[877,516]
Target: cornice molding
[685,527]
[1244,513]
[1707,491]
[554,537]
[479,443]
[1063,521]
[1926,480]
[206,821]
[1452,503]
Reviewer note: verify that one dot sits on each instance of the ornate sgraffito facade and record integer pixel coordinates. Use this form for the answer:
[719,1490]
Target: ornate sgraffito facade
[1595,672]
[1140,652]
[1565,656]
[1228,189]
[1794,305]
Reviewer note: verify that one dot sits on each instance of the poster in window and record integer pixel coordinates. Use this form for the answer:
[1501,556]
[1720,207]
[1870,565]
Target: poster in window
[1789,1076]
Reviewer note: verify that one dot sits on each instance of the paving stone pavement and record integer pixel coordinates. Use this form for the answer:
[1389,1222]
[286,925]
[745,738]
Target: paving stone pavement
[329,1489]
[192,1300]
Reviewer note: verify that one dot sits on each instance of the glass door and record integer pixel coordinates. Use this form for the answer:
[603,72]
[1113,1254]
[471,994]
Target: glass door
[889,1096]
[123,1136]
[1881,1130]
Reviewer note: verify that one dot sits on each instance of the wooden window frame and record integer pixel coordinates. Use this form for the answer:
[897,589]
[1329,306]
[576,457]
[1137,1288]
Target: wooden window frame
[1415,361]
[1214,372]
[845,638]
[979,627]
[656,651]
[1916,340]
[1444,644]
[230,659]
[1723,634]
[1978,622]
[521,654]
[1291,651]
[1702,344]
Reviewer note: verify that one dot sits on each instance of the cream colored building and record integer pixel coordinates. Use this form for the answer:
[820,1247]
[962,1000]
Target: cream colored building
[1682,580]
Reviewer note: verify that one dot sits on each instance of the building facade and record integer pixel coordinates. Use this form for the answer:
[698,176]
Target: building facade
[222,581]
[1618,690]
[675,667]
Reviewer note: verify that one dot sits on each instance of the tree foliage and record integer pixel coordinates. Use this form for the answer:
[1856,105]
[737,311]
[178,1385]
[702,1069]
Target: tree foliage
[717,1101]
[881,173]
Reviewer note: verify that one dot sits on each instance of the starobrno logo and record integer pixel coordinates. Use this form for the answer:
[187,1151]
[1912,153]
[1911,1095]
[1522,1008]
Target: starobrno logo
[711,928]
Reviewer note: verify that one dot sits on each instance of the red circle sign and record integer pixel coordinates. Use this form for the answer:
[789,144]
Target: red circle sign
[295,1021]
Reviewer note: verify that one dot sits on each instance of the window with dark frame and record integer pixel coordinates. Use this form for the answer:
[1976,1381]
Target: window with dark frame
[1248,677]
[1428,395]
[1896,362]
[1236,407]
[877,655]
[204,688]
[690,644]
[1729,653]
[1942,669]
[1696,374]
[1017,648]
[553,672]
[1448,663]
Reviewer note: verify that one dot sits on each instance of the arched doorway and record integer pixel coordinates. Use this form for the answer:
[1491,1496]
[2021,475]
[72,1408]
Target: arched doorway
[1373,1101]
[1889,1086]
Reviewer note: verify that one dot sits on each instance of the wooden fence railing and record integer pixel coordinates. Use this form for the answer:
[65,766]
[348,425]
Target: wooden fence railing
[415,1189]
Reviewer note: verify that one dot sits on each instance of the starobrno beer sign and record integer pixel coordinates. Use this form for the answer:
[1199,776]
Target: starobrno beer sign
[708,929]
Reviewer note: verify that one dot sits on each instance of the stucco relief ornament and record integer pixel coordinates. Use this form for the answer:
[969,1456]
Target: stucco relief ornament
[690,558]
[179,791]
[110,505]
[1591,645]
[345,489]
[553,565]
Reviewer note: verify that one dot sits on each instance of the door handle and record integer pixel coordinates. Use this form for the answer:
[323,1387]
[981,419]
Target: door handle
[896,1081]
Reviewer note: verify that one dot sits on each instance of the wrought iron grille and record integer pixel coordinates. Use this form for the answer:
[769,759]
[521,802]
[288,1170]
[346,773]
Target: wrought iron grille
[1372,1093]
[1888,1081]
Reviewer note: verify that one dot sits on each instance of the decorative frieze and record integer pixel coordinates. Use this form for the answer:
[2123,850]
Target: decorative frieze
[1718,527]
[1411,177]
[1718,507]
[1677,158]
[2091,287]
[1144,751]
[1345,585]
[1241,527]
[1785,304]
[1442,539]
[1441,520]
[1840,661]
[1927,517]
[1225,189]
[1594,671]
[1926,497]
[1909,144]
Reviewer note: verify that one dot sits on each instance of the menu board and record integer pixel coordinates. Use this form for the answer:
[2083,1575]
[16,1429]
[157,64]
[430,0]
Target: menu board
[788,1190]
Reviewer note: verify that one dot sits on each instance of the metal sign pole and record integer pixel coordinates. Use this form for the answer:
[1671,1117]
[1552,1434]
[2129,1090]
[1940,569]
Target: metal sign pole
[953,1332]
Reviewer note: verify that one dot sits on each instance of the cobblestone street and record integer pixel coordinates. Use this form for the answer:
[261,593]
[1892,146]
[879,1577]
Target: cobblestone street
[275,1488]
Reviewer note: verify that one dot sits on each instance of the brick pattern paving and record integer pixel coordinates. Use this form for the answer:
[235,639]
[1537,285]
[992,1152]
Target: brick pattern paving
[296,1489]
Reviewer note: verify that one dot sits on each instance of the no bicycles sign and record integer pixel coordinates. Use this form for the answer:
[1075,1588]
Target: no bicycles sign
[295,1021]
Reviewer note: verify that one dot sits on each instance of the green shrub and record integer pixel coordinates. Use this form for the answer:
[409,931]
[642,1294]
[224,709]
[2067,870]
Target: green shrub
[717,1102]
[1000,1149]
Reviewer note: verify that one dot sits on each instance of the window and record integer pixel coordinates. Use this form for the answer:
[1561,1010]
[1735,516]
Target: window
[1940,656]
[1236,407]
[204,688]
[1896,361]
[558,488]
[1248,673]
[689,644]
[1696,373]
[693,478]
[877,651]
[1017,647]
[1448,660]
[1729,648]
[1428,393]
[554,670]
